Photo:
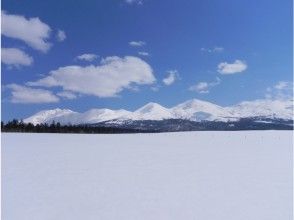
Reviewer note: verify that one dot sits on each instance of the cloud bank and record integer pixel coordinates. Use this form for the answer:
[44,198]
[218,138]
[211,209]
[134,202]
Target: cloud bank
[24,95]
[113,75]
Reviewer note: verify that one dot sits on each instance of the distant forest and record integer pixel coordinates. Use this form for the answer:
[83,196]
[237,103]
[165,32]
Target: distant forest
[19,126]
[149,126]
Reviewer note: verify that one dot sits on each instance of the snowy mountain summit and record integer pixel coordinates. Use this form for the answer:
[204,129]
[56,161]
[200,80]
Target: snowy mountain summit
[193,110]
[198,110]
[152,111]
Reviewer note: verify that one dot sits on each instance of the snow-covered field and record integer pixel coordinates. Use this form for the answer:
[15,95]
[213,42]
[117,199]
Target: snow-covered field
[195,175]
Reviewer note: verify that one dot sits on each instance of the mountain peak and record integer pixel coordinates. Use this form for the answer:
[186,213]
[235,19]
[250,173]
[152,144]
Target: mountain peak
[198,110]
[149,107]
[152,111]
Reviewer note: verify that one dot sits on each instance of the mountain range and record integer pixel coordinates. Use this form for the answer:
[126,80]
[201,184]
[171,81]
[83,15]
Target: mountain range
[263,110]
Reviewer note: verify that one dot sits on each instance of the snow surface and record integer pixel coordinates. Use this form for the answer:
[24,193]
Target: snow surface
[194,110]
[168,176]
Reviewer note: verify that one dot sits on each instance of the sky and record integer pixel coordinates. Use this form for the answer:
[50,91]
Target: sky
[117,54]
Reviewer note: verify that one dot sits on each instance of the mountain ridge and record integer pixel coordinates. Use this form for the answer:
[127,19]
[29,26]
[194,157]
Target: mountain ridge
[193,110]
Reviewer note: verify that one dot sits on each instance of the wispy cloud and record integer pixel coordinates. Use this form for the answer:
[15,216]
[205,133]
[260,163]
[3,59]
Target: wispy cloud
[143,53]
[282,85]
[67,95]
[137,2]
[155,88]
[15,57]
[32,31]
[113,75]
[204,87]
[87,57]
[232,68]
[281,90]
[60,36]
[137,43]
[171,77]
[212,50]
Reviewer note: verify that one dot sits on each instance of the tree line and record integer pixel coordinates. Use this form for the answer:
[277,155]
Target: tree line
[19,126]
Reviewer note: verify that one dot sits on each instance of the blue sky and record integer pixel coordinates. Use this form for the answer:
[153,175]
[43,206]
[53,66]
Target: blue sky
[143,51]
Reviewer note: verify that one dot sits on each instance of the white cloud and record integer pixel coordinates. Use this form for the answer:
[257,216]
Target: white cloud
[137,2]
[60,36]
[108,79]
[32,31]
[282,85]
[87,57]
[281,90]
[218,49]
[15,57]
[23,94]
[231,68]
[155,88]
[204,87]
[67,95]
[201,87]
[171,78]
[142,53]
[137,43]
[213,50]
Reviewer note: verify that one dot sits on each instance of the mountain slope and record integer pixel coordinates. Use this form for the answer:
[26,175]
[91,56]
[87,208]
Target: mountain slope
[47,116]
[263,108]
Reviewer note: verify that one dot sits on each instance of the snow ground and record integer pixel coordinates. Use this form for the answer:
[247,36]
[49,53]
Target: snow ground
[168,176]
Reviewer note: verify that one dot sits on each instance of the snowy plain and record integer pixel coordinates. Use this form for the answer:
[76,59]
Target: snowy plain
[168,176]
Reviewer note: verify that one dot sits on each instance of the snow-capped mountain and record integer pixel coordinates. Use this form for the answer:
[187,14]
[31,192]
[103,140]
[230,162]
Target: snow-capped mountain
[47,116]
[193,110]
[65,116]
[263,108]
[197,110]
[152,111]
[97,115]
